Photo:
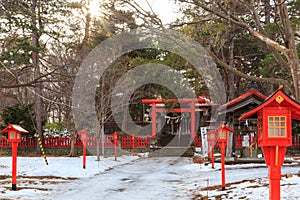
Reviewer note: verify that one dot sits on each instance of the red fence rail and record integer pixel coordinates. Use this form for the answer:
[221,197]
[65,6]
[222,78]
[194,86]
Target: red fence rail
[66,142]
[126,141]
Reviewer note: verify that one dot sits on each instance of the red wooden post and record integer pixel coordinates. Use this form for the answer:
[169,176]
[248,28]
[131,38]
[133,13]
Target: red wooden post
[211,136]
[153,120]
[84,138]
[14,165]
[132,143]
[208,151]
[223,164]
[212,156]
[115,137]
[84,156]
[193,119]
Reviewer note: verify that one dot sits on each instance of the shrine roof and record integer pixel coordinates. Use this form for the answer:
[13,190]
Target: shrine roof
[276,99]
[225,127]
[14,127]
[250,93]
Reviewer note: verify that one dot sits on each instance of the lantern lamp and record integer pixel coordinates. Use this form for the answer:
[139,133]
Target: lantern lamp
[223,133]
[274,128]
[211,136]
[14,132]
[222,139]
[83,136]
[14,136]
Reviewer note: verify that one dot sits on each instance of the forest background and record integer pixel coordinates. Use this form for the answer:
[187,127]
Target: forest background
[255,43]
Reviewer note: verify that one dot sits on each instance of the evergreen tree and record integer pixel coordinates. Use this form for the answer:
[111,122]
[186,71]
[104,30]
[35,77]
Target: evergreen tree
[19,114]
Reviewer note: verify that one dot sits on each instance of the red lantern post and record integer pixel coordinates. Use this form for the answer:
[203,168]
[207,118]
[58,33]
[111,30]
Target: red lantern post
[208,151]
[84,137]
[274,123]
[132,144]
[115,138]
[211,138]
[222,139]
[14,136]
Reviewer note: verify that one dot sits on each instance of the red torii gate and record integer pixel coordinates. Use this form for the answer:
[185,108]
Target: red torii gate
[192,103]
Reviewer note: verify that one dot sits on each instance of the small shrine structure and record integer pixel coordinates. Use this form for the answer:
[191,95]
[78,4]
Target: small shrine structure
[245,131]
[274,122]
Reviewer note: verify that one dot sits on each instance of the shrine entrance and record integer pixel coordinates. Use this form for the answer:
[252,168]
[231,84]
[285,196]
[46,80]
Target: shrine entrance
[180,123]
[176,131]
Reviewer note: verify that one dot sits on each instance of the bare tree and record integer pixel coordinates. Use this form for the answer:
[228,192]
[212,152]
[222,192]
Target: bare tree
[283,44]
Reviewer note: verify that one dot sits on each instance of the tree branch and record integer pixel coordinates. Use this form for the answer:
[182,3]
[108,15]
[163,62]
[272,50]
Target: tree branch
[190,23]
[251,78]
[238,22]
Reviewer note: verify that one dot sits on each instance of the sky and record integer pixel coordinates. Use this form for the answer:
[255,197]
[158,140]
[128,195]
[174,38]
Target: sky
[166,9]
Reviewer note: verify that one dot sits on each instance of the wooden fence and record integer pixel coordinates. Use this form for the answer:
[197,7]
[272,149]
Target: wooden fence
[66,142]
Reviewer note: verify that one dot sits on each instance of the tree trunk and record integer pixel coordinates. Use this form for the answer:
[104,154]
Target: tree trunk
[84,47]
[72,131]
[231,86]
[82,55]
[37,74]
[267,11]
[291,53]
[72,147]
[102,118]
[237,80]
[125,119]
[98,132]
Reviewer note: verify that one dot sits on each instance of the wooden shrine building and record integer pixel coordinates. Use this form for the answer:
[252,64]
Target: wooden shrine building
[245,132]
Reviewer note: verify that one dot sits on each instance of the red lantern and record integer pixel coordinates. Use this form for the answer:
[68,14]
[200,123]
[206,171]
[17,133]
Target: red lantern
[223,133]
[211,138]
[222,139]
[84,138]
[14,135]
[115,138]
[274,123]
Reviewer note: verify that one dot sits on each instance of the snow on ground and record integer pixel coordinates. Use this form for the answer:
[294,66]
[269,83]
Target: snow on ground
[36,178]
[139,177]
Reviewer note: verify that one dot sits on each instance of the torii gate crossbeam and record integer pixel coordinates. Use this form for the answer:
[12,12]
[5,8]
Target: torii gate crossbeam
[192,103]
